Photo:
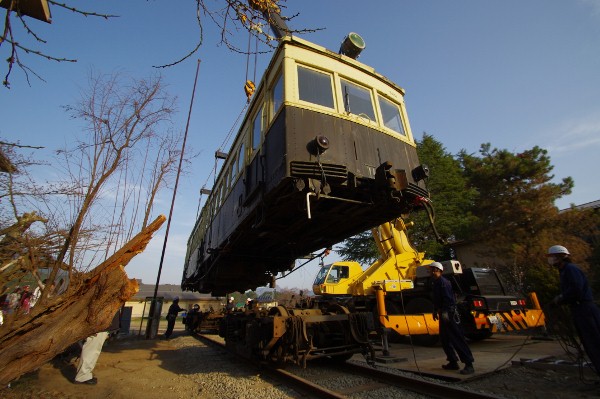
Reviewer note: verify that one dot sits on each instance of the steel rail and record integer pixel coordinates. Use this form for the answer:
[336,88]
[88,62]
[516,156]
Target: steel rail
[414,384]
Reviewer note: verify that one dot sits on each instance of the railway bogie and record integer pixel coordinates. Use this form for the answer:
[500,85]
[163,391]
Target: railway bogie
[298,335]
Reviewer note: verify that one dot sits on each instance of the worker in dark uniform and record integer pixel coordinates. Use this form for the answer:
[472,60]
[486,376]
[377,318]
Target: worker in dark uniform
[451,335]
[174,309]
[575,292]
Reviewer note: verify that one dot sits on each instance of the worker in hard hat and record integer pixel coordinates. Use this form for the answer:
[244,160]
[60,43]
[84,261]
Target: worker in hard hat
[174,309]
[451,334]
[577,294]
[230,304]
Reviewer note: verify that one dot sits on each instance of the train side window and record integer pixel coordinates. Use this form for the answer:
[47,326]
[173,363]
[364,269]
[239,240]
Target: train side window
[256,129]
[218,198]
[357,100]
[277,95]
[226,178]
[241,158]
[315,87]
[224,190]
[233,170]
[392,118]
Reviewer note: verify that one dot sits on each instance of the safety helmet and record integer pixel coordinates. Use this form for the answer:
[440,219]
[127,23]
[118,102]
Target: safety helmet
[437,265]
[558,249]
[231,299]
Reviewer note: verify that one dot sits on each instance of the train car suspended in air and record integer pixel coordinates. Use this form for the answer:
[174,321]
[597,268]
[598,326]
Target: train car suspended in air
[324,152]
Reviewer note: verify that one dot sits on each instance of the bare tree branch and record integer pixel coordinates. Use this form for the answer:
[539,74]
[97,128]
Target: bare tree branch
[232,17]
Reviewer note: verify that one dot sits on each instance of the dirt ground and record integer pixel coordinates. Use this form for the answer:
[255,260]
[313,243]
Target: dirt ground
[127,368]
[132,367]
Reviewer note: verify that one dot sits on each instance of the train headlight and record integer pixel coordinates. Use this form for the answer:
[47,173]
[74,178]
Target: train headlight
[352,45]
[321,143]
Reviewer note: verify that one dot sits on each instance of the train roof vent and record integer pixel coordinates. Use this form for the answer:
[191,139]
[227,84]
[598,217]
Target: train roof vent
[352,45]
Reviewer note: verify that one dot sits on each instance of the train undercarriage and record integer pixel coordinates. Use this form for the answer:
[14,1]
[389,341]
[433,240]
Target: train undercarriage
[283,335]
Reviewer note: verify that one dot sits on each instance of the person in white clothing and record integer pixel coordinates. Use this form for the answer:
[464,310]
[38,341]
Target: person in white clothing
[89,356]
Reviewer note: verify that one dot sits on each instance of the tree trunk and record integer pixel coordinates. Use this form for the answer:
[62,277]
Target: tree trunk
[85,308]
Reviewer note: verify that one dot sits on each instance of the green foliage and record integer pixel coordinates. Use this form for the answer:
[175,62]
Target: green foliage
[450,195]
[515,217]
[360,248]
[452,200]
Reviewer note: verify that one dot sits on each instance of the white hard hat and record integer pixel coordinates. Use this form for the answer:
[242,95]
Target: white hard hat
[437,265]
[558,249]
[231,299]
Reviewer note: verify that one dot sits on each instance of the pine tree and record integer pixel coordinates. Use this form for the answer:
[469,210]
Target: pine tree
[516,219]
[452,200]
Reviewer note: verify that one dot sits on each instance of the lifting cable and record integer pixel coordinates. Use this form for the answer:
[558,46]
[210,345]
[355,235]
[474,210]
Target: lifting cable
[320,255]
[223,144]
[249,88]
[559,318]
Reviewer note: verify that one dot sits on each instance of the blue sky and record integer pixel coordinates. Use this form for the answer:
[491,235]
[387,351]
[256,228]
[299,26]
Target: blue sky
[512,73]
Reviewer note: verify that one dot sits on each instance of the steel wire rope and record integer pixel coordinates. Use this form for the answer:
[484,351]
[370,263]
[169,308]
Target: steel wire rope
[566,338]
[323,176]
[519,348]
[410,340]
[235,123]
[563,342]
[214,169]
[303,264]
[228,136]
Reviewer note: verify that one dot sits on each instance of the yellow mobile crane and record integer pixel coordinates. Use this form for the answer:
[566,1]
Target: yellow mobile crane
[396,288]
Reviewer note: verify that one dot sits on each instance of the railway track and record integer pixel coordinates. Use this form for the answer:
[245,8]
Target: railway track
[344,380]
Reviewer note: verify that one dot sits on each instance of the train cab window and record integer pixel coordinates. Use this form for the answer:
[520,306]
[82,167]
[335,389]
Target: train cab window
[315,87]
[392,118]
[277,95]
[357,100]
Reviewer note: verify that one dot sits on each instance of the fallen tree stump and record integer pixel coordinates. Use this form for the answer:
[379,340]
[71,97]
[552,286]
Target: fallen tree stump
[88,306]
